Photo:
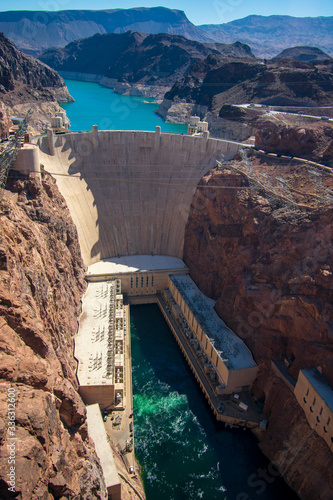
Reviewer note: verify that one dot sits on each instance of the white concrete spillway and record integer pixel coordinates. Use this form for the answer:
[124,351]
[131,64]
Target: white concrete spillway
[130,192]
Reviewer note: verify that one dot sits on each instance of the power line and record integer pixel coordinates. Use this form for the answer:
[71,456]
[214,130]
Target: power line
[136,181]
[116,180]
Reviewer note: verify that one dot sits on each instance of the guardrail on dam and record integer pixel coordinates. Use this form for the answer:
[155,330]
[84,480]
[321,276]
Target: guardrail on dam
[130,192]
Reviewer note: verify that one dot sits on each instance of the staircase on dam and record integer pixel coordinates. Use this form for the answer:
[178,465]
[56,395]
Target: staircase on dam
[130,192]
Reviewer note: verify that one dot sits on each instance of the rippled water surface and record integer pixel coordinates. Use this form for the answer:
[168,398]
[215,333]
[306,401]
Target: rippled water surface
[184,454]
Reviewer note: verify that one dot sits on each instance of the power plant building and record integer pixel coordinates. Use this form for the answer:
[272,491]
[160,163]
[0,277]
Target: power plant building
[139,274]
[99,345]
[224,354]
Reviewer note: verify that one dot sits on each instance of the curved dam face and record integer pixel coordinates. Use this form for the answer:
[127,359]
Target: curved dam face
[130,192]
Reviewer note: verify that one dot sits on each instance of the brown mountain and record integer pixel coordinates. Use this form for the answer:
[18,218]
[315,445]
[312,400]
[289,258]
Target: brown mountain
[27,83]
[134,57]
[17,68]
[215,82]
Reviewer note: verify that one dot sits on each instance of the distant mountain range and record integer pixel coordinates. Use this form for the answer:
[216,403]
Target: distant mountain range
[205,74]
[36,31]
[269,35]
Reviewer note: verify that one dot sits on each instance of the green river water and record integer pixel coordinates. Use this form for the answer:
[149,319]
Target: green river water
[184,453]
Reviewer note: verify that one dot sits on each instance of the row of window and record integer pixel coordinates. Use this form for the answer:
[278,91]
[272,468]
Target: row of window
[142,281]
[320,413]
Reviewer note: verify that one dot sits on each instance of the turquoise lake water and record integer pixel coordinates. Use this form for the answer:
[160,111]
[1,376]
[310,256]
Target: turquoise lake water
[184,453]
[96,105]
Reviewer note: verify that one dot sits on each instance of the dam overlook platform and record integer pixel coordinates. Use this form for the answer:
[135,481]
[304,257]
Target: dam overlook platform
[130,192]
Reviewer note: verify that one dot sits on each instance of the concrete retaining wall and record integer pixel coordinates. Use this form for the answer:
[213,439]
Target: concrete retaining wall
[130,192]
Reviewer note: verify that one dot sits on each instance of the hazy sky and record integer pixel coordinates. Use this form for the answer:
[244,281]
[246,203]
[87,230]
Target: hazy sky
[198,11]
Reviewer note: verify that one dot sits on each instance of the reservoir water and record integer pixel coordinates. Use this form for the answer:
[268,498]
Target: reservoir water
[183,452]
[96,105]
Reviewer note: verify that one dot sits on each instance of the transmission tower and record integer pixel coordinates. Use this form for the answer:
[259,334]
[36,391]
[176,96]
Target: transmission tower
[9,154]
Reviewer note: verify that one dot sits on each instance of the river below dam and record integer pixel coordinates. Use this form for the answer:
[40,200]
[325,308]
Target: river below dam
[97,105]
[184,453]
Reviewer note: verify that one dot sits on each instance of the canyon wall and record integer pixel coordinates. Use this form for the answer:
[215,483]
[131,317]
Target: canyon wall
[41,282]
[25,84]
[299,455]
[268,263]
[313,141]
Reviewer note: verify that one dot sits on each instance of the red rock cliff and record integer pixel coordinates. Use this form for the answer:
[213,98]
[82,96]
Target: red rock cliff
[41,282]
[313,141]
[267,261]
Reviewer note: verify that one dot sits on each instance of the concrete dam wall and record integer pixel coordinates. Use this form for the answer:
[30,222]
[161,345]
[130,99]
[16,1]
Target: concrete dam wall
[130,192]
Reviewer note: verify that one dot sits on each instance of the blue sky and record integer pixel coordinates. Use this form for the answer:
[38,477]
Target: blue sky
[198,11]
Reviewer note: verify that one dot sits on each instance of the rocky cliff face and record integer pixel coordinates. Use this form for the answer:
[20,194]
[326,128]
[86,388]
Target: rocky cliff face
[311,141]
[27,83]
[260,245]
[303,459]
[41,282]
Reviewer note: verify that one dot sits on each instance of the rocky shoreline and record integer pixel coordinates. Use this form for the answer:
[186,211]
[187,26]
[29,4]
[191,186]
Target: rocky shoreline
[124,88]
[26,83]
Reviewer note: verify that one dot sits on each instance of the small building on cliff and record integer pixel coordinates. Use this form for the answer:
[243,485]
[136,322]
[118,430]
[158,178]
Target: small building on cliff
[197,127]
[315,397]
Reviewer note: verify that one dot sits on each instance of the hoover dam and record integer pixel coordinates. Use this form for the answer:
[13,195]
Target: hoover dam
[130,195]
[130,192]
